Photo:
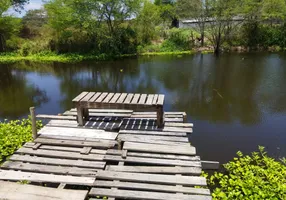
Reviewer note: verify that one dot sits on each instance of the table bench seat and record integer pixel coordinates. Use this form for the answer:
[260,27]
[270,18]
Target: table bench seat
[136,102]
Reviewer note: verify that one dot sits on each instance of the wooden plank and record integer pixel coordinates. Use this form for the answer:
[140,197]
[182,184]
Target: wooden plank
[151,141]
[184,125]
[130,194]
[78,132]
[154,155]
[85,150]
[159,148]
[77,171]
[108,98]
[152,178]
[160,99]
[142,99]
[154,101]
[73,143]
[151,187]
[87,97]
[58,161]
[36,146]
[71,149]
[178,129]
[56,117]
[150,99]
[50,178]
[121,98]
[156,170]
[17,191]
[154,137]
[105,110]
[135,99]
[101,97]
[95,96]
[211,165]
[128,99]
[156,161]
[143,132]
[79,97]
[115,97]
[59,154]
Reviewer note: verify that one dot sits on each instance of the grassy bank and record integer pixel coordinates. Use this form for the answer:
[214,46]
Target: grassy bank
[74,58]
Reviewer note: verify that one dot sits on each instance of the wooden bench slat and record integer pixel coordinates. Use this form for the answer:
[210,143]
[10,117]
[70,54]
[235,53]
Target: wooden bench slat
[101,97]
[155,99]
[128,98]
[80,96]
[150,99]
[108,98]
[135,99]
[152,178]
[88,96]
[39,177]
[160,99]
[95,97]
[115,97]
[58,161]
[142,99]
[131,194]
[122,98]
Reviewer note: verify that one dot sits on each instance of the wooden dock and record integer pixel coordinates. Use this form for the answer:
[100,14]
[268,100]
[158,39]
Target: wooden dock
[119,154]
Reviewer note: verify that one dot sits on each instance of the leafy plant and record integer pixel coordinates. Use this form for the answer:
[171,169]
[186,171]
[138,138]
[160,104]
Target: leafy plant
[251,177]
[13,135]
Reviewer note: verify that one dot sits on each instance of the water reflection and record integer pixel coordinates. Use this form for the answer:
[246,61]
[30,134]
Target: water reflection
[235,93]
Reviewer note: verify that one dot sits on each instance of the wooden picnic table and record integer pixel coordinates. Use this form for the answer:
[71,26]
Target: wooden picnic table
[136,102]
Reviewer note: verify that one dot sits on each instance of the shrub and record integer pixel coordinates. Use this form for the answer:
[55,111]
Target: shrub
[13,135]
[251,177]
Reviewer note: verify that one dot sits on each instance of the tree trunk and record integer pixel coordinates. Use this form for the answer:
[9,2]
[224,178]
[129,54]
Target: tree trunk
[217,46]
[203,35]
[2,43]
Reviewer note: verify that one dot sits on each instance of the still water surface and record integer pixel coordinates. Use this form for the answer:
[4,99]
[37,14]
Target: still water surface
[236,101]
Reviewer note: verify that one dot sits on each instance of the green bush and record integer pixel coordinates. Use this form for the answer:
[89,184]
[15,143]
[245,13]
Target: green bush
[255,177]
[13,135]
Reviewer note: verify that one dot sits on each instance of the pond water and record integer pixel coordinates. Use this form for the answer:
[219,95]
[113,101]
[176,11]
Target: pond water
[236,101]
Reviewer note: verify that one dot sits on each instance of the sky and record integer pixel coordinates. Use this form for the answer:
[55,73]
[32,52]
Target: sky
[34,4]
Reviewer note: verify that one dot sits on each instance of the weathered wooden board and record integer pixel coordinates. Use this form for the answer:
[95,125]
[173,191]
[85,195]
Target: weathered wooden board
[185,125]
[152,178]
[163,133]
[156,169]
[104,110]
[39,177]
[151,187]
[125,137]
[60,154]
[88,124]
[58,161]
[56,117]
[80,96]
[154,155]
[77,132]
[74,143]
[130,194]
[155,161]
[143,147]
[49,169]
[16,191]
[151,141]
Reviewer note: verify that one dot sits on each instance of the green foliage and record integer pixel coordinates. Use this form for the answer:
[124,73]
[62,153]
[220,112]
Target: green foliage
[13,135]
[251,177]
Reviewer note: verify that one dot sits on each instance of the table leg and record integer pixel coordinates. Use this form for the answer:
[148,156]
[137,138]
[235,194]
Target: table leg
[160,117]
[80,116]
